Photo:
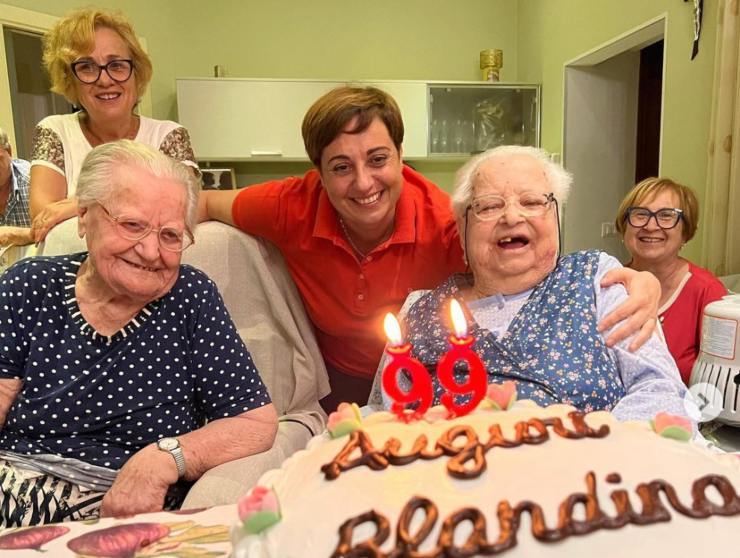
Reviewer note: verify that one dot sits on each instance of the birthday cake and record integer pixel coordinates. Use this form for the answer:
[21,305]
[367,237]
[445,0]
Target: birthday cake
[530,481]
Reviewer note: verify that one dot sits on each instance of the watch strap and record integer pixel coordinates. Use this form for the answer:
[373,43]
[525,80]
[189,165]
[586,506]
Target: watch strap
[179,458]
[176,453]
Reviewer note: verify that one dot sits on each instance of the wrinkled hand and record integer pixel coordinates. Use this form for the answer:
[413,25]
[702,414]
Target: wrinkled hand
[16,236]
[51,216]
[141,484]
[9,389]
[639,313]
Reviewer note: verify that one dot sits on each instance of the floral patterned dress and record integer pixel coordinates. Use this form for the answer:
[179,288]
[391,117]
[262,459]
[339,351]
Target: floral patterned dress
[551,348]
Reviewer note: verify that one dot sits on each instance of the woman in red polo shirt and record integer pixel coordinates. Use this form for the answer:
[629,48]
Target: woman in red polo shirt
[362,230]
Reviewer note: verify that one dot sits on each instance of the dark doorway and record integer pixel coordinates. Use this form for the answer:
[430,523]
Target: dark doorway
[648,111]
[29,87]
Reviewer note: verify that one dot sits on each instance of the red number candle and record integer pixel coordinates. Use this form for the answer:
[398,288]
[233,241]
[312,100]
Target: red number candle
[401,359]
[461,349]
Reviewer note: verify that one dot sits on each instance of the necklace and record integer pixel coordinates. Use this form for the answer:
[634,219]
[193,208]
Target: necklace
[349,239]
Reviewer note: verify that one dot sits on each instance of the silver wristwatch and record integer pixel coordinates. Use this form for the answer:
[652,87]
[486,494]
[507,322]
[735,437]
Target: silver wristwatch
[172,445]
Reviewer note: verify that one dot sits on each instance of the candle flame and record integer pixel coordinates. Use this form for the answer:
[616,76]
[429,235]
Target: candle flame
[458,320]
[392,330]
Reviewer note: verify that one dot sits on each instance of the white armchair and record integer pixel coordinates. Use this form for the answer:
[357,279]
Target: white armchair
[269,315]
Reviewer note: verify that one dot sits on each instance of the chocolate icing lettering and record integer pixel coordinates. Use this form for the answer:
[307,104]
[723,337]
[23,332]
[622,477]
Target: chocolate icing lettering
[477,543]
[467,459]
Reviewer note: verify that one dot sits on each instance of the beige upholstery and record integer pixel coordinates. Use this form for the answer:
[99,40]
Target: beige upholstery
[378,400]
[269,315]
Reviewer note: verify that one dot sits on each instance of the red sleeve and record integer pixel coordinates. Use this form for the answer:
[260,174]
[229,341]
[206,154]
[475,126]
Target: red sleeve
[261,210]
[714,291]
[456,258]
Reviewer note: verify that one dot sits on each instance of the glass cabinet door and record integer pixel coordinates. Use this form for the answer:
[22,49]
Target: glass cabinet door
[466,119]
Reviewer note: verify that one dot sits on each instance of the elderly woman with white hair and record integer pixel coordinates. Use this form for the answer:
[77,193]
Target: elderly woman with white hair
[533,312]
[121,372]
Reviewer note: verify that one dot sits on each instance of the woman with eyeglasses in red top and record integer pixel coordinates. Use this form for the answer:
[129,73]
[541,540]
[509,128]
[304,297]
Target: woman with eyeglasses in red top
[656,219]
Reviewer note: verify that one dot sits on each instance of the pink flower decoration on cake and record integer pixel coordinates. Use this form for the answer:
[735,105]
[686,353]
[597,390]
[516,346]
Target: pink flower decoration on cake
[672,426]
[436,414]
[500,397]
[347,418]
[258,510]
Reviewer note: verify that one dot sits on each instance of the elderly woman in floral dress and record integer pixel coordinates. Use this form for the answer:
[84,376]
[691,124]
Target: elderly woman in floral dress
[534,313]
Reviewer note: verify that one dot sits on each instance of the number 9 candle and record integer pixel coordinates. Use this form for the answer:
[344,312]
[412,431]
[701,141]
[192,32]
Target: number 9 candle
[401,359]
[461,350]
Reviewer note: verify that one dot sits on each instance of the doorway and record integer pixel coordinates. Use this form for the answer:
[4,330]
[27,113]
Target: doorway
[29,87]
[600,136]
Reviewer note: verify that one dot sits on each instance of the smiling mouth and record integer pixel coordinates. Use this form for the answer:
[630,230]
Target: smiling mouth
[513,242]
[107,96]
[369,199]
[650,240]
[142,267]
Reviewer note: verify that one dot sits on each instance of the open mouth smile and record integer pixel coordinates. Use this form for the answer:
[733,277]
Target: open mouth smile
[107,96]
[650,239]
[369,199]
[513,242]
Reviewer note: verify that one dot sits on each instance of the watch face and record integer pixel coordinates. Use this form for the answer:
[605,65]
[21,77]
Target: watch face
[168,444]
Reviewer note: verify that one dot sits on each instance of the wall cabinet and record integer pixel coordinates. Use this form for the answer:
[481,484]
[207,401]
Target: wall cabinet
[260,119]
[465,119]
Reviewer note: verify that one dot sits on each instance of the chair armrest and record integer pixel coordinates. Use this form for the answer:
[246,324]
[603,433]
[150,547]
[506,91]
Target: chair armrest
[226,483]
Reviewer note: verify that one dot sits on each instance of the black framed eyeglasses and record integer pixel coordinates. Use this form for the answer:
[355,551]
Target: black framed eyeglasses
[666,217]
[492,206]
[88,71]
[170,238]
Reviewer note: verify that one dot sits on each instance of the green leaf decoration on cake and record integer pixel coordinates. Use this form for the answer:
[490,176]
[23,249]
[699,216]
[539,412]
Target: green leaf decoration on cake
[672,426]
[500,397]
[259,510]
[346,419]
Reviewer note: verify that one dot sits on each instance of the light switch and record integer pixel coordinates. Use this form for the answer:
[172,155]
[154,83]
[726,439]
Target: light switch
[608,230]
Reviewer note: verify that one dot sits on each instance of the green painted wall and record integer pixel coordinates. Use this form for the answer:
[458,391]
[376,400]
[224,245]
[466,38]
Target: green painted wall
[423,39]
[553,32]
[331,39]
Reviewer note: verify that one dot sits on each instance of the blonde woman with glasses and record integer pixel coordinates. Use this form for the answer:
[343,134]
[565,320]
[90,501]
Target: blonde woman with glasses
[95,60]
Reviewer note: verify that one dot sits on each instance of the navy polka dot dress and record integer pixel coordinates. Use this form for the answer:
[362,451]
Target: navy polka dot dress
[100,399]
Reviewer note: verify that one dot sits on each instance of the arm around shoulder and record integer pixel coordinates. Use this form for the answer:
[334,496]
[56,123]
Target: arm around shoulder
[638,313]
[216,205]
[47,186]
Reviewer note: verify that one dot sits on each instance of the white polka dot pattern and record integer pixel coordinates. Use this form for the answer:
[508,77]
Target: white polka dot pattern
[100,399]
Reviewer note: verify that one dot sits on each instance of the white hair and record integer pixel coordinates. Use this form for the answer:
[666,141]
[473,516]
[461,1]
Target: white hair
[558,178]
[98,179]
[4,141]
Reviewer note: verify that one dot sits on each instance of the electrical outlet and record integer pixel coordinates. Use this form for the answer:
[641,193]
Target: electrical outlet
[608,230]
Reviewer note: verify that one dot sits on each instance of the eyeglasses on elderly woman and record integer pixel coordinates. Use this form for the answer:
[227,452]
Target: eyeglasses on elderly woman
[170,238]
[492,206]
[87,71]
[666,218]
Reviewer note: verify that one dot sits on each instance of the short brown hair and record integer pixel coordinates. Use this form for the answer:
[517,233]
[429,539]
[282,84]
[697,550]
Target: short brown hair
[329,116]
[653,186]
[74,36]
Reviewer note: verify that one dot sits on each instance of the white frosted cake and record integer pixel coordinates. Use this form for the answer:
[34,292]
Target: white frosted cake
[536,482]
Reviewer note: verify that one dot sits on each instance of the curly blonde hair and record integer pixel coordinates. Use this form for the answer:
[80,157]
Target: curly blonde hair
[74,36]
